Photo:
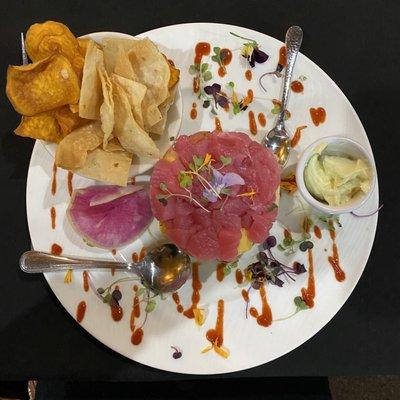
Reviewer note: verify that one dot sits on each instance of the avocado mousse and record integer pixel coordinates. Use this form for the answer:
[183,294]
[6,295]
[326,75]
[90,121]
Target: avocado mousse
[336,179]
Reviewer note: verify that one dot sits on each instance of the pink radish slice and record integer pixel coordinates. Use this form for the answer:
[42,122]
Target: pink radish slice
[110,216]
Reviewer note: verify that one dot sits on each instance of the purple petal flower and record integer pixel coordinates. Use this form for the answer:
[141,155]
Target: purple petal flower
[259,56]
[231,179]
[213,89]
[209,195]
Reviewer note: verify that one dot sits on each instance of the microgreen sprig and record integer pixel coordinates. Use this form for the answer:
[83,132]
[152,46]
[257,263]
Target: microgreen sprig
[289,245]
[218,58]
[300,305]
[251,51]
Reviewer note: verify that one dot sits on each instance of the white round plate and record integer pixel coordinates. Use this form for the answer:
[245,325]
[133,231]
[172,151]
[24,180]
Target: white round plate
[141,165]
[249,344]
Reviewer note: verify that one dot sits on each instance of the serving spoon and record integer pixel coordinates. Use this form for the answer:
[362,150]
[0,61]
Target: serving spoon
[164,269]
[277,139]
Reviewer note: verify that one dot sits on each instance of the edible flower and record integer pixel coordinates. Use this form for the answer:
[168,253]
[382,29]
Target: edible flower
[199,316]
[220,184]
[251,51]
[68,276]
[214,90]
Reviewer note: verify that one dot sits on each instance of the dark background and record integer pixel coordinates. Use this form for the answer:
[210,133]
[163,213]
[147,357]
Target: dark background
[357,43]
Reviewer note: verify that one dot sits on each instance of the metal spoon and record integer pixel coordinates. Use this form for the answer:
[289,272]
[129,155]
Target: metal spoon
[164,269]
[277,139]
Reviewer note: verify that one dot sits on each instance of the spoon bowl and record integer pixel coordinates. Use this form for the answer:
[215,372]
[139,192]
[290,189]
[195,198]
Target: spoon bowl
[164,269]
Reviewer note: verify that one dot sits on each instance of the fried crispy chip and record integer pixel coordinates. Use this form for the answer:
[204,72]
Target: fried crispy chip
[112,48]
[151,68]
[107,107]
[135,92]
[83,45]
[68,120]
[72,150]
[159,127]
[174,74]
[49,38]
[131,136]
[42,86]
[123,67]
[42,126]
[91,90]
[74,108]
[107,166]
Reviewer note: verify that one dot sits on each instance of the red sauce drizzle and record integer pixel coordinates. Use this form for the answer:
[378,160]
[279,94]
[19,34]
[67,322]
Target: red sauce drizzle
[112,271]
[318,115]
[137,336]
[142,254]
[136,306]
[220,272]
[226,58]
[317,232]
[113,252]
[282,56]
[54,180]
[265,318]
[179,307]
[116,311]
[340,275]
[53,217]
[250,96]
[248,74]
[80,311]
[218,126]
[308,294]
[286,234]
[297,87]
[56,249]
[193,113]
[239,276]
[70,187]
[135,257]
[201,49]
[261,119]
[135,288]
[245,295]
[196,285]
[252,123]
[297,135]
[85,276]
[216,335]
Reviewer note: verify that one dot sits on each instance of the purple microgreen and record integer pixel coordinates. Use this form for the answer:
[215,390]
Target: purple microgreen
[177,353]
[206,103]
[366,215]
[116,295]
[269,243]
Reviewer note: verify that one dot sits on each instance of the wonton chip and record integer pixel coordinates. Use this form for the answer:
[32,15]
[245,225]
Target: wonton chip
[107,107]
[49,38]
[42,86]
[123,67]
[91,90]
[159,128]
[151,68]
[131,136]
[150,112]
[42,126]
[135,92]
[72,150]
[112,48]
[68,120]
[107,166]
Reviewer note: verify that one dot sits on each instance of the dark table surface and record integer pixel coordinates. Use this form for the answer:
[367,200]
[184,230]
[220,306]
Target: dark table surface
[357,44]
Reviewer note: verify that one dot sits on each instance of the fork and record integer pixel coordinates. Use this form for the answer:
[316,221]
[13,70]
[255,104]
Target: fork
[24,56]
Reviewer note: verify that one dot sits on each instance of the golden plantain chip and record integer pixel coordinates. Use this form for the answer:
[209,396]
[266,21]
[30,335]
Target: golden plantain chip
[49,38]
[68,120]
[151,68]
[131,136]
[83,45]
[174,74]
[72,150]
[74,108]
[107,166]
[91,90]
[135,92]
[42,126]
[42,86]
[107,107]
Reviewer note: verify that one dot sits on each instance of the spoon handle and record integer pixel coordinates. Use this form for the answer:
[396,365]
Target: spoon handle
[38,262]
[294,37]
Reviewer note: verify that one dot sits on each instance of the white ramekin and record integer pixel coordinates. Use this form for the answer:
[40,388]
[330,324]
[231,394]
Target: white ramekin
[336,145]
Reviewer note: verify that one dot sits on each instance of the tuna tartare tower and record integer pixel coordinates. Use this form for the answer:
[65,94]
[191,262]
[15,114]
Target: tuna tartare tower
[214,194]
